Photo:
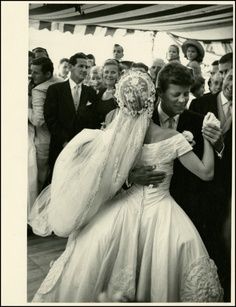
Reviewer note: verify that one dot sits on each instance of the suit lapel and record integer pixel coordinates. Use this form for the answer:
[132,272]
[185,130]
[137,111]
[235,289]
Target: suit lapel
[155,115]
[83,96]
[68,99]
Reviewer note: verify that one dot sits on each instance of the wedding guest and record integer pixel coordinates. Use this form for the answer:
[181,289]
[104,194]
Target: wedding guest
[91,59]
[225,63]
[90,64]
[197,89]
[106,99]
[118,52]
[63,68]
[69,107]
[217,194]
[140,67]
[154,69]
[42,75]
[216,83]
[30,59]
[125,65]
[214,68]
[96,80]
[40,52]
[173,53]
[194,52]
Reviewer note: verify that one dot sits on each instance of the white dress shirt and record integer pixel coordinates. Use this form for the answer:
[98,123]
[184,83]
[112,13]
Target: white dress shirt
[226,105]
[164,118]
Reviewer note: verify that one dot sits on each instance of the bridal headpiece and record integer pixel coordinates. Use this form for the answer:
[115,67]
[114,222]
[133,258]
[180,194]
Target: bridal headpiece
[135,93]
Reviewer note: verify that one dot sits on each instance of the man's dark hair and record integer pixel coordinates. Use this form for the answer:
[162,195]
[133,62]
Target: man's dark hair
[79,55]
[91,57]
[117,45]
[216,62]
[45,63]
[140,65]
[63,60]
[30,54]
[198,82]
[226,58]
[127,63]
[40,49]
[174,73]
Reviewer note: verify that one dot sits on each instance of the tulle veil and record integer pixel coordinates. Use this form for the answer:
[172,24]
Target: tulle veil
[94,165]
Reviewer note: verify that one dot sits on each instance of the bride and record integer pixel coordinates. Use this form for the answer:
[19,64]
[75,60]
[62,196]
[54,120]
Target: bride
[136,245]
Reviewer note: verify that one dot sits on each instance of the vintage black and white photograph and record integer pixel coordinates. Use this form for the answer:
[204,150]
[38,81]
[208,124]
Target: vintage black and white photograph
[129,154]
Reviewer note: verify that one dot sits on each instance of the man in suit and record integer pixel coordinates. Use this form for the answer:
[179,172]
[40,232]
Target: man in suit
[217,193]
[225,63]
[174,83]
[69,107]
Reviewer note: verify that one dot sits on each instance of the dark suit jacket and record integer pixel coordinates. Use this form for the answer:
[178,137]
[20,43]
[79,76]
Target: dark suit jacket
[61,117]
[220,187]
[185,186]
[104,106]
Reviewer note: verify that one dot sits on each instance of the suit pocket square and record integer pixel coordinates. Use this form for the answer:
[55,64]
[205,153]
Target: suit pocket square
[88,104]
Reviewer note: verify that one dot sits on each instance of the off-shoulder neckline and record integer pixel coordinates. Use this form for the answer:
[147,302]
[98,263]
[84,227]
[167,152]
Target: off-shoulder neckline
[152,144]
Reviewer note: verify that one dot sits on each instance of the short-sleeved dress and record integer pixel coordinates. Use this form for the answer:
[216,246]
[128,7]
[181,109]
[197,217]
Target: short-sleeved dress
[141,245]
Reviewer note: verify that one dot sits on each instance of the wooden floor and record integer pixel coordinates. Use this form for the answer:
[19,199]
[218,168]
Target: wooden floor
[40,252]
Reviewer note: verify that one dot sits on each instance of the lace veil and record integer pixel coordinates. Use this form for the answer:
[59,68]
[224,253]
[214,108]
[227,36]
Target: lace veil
[92,168]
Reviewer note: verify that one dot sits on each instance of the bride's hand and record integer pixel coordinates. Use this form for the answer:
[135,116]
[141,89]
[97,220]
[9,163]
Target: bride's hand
[213,134]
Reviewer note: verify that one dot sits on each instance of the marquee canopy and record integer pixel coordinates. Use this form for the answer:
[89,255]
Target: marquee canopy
[205,22]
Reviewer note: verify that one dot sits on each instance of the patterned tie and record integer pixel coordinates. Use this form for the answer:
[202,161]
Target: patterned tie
[171,122]
[229,110]
[76,96]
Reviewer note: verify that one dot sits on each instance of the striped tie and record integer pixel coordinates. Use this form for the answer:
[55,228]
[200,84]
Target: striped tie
[171,122]
[76,96]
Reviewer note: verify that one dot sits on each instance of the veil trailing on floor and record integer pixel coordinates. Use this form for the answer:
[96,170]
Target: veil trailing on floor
[92,168]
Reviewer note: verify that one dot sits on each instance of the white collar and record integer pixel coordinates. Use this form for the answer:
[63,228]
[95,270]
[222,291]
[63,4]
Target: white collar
[224,100]
[163,116]
[73,84]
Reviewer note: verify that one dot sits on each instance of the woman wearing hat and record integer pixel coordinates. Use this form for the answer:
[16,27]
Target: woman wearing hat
[194,52]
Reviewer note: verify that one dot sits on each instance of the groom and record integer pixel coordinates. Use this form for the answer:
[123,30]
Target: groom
[174,83]
[69,107]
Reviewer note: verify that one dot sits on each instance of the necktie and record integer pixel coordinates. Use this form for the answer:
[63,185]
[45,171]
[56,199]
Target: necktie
[171,122]
[76,96]
[229,109]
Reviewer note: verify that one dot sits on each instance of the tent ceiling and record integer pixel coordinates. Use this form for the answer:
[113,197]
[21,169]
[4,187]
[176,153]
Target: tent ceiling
[184,19]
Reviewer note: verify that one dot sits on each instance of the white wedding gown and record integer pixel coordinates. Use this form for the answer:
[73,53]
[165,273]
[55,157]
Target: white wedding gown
[141,244]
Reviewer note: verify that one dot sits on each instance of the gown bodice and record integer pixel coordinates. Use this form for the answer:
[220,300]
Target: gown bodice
[162,154]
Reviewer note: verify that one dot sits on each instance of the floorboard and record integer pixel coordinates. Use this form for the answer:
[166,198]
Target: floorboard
[40,252]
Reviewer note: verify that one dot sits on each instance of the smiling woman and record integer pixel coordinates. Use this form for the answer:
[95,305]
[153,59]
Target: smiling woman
[106,98]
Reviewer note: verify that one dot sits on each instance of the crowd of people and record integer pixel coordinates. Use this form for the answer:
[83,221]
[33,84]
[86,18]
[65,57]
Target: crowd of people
[83,96]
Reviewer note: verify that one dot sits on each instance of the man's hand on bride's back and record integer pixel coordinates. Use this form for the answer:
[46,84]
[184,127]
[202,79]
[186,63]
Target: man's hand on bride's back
[146,175]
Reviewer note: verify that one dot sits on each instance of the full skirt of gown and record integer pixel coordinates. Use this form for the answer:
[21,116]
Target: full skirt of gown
[140,247]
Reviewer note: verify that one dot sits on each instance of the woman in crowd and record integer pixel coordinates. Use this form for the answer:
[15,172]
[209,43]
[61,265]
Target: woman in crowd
[96,78]
[106,98]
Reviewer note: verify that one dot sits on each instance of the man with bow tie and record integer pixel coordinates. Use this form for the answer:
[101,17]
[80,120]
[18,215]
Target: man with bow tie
[69,107]
[217,193]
